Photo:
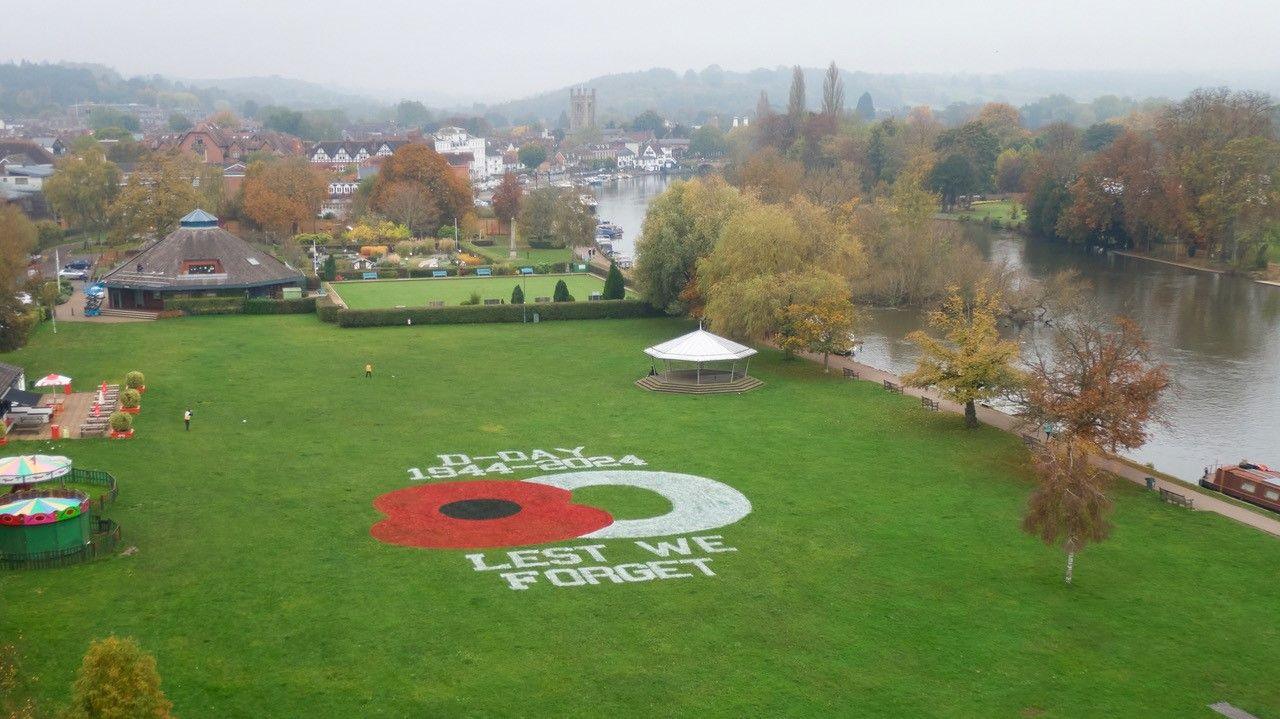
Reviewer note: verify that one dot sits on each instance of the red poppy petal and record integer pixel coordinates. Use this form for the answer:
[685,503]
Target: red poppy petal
[541,514]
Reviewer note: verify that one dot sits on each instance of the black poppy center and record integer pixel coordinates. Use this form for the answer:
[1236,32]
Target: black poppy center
[480,509]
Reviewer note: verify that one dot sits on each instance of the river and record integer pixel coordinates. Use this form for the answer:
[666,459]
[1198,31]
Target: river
[1219,335]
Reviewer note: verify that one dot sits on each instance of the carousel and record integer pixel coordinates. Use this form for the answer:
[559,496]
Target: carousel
[700,363]
[43,525]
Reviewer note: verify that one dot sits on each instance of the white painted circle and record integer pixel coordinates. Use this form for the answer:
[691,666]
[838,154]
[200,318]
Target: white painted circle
[698,504]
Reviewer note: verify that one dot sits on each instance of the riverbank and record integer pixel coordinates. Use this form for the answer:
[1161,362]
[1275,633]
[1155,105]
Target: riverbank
[1193,266]
[1205,501]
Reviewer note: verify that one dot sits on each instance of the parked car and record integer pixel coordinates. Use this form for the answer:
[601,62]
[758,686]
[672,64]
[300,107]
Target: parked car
[79,265]
[23,298]
[70,274]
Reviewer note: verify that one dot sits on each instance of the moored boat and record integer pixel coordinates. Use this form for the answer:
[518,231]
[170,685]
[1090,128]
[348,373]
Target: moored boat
[1248,481]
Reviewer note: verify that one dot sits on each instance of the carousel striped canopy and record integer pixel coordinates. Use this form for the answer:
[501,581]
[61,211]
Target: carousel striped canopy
[39,505]
[32,468]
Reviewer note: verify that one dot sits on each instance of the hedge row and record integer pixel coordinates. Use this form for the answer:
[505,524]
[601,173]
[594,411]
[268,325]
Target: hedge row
[267,306]
[327,309]
[476,314]
[206,305]
[240,305]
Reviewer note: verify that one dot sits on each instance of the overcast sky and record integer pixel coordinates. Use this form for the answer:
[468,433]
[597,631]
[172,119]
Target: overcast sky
[484,49]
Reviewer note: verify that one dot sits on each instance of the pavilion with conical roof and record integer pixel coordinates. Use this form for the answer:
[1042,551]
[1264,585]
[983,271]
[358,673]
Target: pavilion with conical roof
[700,363]
[199,259]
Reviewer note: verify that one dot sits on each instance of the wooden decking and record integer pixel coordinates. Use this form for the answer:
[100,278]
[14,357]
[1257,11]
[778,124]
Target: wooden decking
[679,385]
[75,410]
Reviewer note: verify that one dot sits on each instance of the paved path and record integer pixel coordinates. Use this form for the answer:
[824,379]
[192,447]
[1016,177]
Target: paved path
[1203,502]
[73,309]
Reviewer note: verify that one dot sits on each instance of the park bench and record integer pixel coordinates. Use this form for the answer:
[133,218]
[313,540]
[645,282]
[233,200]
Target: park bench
[526,270]
[493,302]
[435,303]
[369,276]
[439,273]
[541,300]
[594,296]
[893,387]
[929,404]
[850,374]
[1174,498]
[484,272]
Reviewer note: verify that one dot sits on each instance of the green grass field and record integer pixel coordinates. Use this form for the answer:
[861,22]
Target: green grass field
[499,253]
[881,572]
[371,294]
[989,210]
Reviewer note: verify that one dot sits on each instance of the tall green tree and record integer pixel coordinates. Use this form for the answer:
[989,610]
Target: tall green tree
[614,286]
[160,191]
[532,155]
[866,108]
[17,239]
[970,362]
[682,226]
[555,217]
[796,100]
[82,188]
[832,92]
[118,680]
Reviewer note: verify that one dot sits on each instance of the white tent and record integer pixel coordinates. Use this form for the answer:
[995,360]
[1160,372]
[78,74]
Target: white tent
[700,347]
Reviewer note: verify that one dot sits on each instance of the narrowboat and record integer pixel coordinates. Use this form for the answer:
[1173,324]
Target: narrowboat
[1248,481]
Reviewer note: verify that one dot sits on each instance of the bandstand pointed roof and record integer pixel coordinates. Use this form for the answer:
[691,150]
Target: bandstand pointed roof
[700,346]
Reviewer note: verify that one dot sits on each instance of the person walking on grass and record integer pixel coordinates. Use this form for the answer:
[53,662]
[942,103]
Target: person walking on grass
[368,370]
[186,419]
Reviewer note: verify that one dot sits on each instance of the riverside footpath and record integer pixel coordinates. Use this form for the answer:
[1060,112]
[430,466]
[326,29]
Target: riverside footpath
[1204,502]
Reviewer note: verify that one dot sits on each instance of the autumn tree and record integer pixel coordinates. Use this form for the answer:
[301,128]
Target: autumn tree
[1101,387]
[774,177]
[770,257]
[507,197]
[82,188]
[280,195]
[1004,122]
[160,191]
[410,205]
[823,327]
[117,679]
[832,92]
[681,226]
[970,362]
[417,165]
[1069,506]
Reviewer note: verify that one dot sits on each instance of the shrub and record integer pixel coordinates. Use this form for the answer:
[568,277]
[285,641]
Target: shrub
[447,231]
[121,421]
[479,314]
[135,379]
[447,245]
[118,679]
[130,398]
[474,299]
[561,293]
[517,296]
[329,269]
[614,287]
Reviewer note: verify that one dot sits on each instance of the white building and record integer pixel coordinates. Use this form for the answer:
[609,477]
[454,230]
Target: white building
[456,140]
[348,153]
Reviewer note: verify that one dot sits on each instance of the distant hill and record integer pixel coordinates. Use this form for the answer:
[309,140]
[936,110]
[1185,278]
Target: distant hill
[276,90]
[33,89]
[689,96]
